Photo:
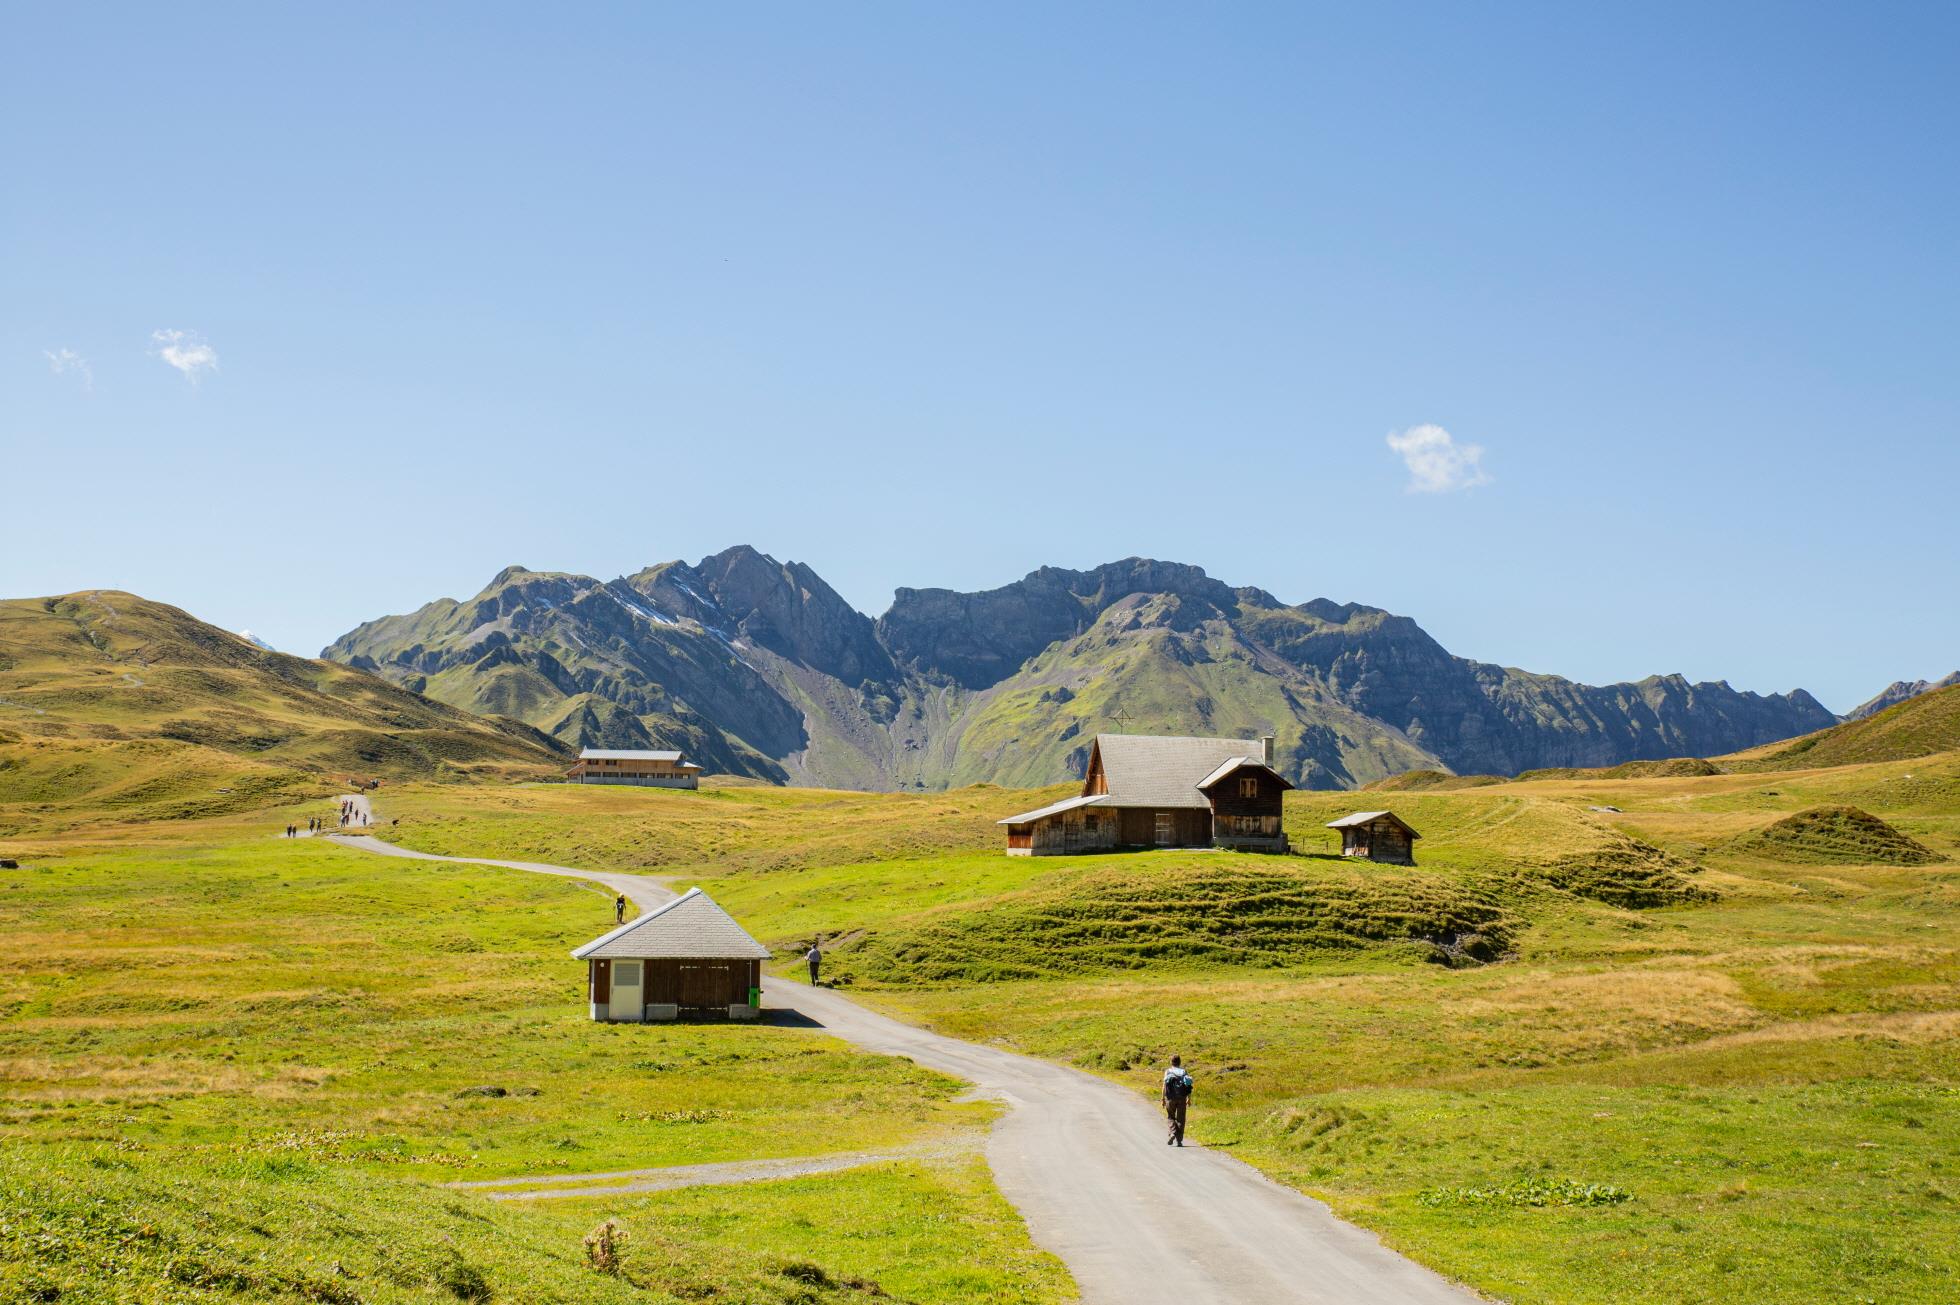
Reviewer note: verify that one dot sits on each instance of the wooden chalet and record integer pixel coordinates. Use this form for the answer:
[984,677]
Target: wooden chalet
[649,769]
[1145,790]
[687,958]
[1378,836]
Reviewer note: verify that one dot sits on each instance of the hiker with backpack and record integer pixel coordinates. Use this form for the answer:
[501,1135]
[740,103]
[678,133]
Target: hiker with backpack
[1177,1096]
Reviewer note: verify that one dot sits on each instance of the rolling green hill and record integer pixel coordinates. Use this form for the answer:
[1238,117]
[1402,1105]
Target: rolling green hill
[1918,727]
[111,701]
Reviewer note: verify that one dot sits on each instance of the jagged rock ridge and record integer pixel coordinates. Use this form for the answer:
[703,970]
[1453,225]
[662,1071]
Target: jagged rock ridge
[758,667]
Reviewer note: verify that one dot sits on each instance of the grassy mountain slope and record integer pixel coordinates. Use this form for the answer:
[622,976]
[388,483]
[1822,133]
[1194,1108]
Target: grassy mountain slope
[1167,665]
[1918,727]
[542,646]
[111,699]
[1897,692]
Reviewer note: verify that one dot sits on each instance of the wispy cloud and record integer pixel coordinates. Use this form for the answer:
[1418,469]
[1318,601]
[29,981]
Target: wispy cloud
[1437,463]
[186,351]
[66,362]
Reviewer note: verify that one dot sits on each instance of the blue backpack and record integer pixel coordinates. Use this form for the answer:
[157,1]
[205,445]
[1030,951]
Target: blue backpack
[1179,1088]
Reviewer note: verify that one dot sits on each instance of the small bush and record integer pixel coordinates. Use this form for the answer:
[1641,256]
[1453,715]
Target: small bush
[602,1246]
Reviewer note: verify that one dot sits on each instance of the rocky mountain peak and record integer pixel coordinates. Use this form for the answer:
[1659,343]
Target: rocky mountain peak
[759,667]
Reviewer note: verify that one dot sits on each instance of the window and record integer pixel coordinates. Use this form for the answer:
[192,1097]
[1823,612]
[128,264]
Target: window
[1248,786]
[626,973]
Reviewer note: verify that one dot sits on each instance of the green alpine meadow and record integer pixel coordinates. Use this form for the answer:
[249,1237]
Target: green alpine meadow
[979,654]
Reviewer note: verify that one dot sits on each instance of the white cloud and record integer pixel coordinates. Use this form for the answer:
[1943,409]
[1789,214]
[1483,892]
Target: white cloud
[186,351]
[1437,463]
[66,362]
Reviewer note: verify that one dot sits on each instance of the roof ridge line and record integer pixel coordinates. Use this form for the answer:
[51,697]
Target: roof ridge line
[621,931]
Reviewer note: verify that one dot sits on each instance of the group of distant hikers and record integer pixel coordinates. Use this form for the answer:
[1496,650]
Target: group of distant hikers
[349,815]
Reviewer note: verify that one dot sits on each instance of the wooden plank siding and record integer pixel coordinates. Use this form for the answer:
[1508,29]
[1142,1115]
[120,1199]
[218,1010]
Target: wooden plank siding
[698,986]
[1187,827]
[1246,809]
[1379,840]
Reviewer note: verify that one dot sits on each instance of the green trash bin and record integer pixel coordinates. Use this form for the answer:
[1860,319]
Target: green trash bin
[755,997]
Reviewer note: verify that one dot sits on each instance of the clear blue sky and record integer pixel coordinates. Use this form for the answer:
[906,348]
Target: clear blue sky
[311,315]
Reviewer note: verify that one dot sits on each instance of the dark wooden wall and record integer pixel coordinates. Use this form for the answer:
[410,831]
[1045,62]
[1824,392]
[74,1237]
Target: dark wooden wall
[1190,827]
[702,985]
[1269,801]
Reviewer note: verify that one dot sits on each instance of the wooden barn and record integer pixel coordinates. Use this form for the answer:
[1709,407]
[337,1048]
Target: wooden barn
[1146,790]
[687,958]
[646,768]
[1378,836]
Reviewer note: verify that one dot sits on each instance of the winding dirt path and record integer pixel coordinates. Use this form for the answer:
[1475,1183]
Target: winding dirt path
[1085,1163]
[626,1182]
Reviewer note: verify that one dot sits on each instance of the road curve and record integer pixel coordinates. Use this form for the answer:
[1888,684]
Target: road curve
[1085,1163]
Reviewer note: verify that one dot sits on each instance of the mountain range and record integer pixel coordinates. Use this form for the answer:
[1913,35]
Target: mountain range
[758,667]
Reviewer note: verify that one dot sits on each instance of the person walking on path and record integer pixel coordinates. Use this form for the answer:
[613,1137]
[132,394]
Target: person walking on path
[619,909]
[1177,1096]
[815,957]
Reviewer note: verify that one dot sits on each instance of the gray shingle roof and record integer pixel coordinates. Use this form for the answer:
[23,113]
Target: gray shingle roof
[1149,770]
[1054,809]
[691,927]
[625,754]
[1231,764]
[1366,817]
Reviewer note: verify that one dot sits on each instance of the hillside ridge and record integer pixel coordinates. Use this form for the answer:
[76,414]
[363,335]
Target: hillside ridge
[116,700]
[758,667]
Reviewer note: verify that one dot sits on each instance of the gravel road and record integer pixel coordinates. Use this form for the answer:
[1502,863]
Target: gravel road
[1085,1163]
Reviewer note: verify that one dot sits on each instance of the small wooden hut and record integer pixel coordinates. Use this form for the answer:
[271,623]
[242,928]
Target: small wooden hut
[1378,836]
[687,958]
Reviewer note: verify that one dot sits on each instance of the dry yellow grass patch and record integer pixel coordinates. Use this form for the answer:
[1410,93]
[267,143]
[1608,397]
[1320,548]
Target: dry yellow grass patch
[1911,1027]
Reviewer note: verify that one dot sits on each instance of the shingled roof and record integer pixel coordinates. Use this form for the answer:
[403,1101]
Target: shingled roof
[1054,809]
[1150,770]
[1369,817]
[630,754]
[691,927]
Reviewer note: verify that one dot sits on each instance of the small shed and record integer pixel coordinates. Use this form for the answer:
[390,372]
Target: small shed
[687,958]
[1378,836]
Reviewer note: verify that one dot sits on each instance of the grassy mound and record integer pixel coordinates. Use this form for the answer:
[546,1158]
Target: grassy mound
[1628,873]
[1416,781]
[1160,910]
[1835,835]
